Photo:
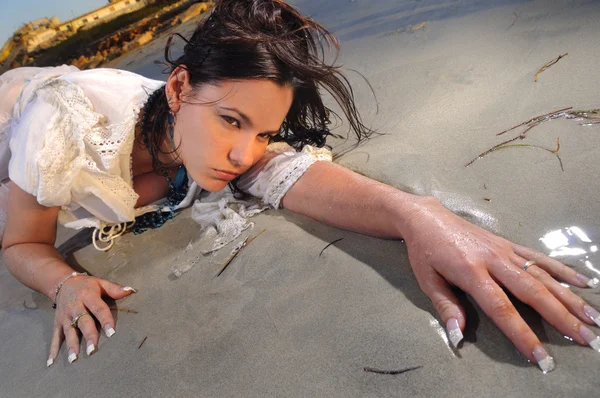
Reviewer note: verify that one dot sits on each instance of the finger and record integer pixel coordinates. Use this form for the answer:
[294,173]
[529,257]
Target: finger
[446,304]
[88,329]
[72,340]
[57,337]
[101,311]
[575,304]
[115,291]
[555,267]
[496,304]
[533,293]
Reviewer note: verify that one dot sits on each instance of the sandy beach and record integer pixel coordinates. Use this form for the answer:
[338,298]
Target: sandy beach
[286,321]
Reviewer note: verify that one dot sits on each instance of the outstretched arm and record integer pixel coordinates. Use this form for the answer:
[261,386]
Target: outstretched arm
[337,196]
[446,250]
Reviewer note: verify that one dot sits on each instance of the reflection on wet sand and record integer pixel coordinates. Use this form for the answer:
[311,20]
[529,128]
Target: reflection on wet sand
[572,242]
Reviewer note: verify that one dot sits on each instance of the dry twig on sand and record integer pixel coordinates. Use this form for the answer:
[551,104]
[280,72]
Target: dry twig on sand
[236,251]
[334,242]
[127,310]
[142,343]
[390,372]
[549,64]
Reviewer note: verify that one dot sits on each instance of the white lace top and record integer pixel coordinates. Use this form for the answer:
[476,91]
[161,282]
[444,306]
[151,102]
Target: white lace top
[71,137]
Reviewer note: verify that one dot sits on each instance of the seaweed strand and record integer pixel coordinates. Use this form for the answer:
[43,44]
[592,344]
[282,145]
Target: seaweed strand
[534,119]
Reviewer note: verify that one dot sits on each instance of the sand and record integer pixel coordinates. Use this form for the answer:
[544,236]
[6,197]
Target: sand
[284,321]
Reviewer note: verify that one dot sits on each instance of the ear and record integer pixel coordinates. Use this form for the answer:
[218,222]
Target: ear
[178,86]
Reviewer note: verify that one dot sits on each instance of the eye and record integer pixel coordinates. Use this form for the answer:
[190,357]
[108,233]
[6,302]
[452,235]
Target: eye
[232,121]
[266,136]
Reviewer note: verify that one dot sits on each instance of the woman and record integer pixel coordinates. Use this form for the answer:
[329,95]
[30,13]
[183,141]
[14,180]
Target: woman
[93,148]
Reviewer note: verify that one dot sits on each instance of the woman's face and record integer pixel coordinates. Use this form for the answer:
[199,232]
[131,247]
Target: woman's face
[223,129]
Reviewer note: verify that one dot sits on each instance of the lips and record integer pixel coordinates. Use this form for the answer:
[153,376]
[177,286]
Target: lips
[226,175]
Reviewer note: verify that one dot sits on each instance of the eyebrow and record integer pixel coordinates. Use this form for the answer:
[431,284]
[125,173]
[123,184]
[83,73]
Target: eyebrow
[248,121]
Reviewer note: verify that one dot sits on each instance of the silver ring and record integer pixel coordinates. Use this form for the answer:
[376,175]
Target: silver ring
[529,264]
[76,319]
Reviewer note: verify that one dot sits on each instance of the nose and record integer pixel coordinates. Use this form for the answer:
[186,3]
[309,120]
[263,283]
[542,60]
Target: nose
[242,153]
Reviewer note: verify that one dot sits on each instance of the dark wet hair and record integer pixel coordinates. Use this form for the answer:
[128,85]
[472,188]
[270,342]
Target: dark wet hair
[262,39]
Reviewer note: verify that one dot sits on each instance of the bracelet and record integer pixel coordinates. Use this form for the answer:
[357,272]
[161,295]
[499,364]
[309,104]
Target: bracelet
[61,283]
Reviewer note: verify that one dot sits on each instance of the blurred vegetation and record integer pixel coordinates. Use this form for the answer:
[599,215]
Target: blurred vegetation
[86,41]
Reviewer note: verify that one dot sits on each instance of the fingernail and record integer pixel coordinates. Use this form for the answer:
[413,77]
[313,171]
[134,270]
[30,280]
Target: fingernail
[590,282]
[109,330]
[590,337]
[544,361]
[454,334]
[49,362]
[592,313]
[129,289]
[72,356]
[91,348]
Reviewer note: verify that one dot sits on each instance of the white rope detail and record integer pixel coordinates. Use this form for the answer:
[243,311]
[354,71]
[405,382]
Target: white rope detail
[114,231]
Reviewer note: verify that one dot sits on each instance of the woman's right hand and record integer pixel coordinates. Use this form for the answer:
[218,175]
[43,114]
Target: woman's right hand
[81,296]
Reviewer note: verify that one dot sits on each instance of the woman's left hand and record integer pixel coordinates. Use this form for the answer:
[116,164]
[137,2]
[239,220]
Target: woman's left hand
[446,250]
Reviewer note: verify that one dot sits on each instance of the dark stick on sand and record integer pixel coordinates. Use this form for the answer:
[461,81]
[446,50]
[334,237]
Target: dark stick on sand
[142,343]
[335,241]
[390,372]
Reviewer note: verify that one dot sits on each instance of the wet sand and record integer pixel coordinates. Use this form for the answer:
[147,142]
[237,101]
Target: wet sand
[284,321]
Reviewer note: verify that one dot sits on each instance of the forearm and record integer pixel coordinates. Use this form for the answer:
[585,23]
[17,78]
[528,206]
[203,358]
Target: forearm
[342,198]
[38,266]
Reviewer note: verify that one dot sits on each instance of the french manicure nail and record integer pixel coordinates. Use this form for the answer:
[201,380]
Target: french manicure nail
[590,282]
[109,330]
[91,348]
[544,361]
[454,333]
[592,313]
[49,362]
[72,356]
[129,289]
[590,337]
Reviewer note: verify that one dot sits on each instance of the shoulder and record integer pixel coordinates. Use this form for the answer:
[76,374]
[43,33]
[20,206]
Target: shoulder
[113,91]
[108,91]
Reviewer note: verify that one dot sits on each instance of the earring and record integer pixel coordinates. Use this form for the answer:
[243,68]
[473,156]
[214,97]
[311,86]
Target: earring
[172,119]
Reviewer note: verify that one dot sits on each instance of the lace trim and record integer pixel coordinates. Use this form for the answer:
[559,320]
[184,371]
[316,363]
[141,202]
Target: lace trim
[297,167]
[278,188]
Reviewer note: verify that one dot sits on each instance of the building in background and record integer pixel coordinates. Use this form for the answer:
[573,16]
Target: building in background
[114,9]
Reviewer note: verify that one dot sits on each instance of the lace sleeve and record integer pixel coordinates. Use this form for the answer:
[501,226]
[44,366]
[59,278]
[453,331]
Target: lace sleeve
[278,171]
